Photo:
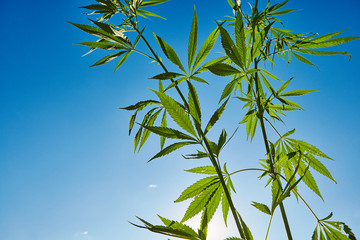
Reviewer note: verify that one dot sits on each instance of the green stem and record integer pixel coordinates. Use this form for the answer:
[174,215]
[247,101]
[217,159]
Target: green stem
[161,64]
[268,229]
[248,169]
[222,181]
[262,125]
[211,156]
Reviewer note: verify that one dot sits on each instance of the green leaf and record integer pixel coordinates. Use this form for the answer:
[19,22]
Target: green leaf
[309,180]
[100,33]
[222,69]
[240,37]
[269,74]
[197,187]
[194,104]
[200,201]
[225,208]
[108,58]
[147,3]
[168,133]
[141,104]
[213,203]
[203,170]
[315,52]
[102,45]
[167,75]
[203,68]
[228,90]
[163,125]
[192,40]
[169,52]
[215,117]
[131,122]
[150,123]
[328,43]
[303,59]
[308,147]
[122,60]
[262,207]
[144,13]
[170,149]
[176,112]
[297,92]
[221,141]
[230,48]
[318,166]
[206,47]
[283,12]
[283,86]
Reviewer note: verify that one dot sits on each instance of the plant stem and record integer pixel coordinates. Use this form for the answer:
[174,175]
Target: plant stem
[161,64]
[262,125]
[222,181]
[211,156]
[268,229]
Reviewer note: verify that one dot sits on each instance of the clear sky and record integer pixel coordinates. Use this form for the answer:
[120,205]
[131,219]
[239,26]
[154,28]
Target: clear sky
[67,167]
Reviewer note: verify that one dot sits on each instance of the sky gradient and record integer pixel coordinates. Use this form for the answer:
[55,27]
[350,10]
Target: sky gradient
[67,166]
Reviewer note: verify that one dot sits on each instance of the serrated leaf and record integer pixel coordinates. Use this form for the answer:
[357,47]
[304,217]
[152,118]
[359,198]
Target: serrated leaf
[215,117]
[203,170]
[176,112]
[229,47]
[194,104]
[213,203]
[148,3]
[163,125]
[200,201]
[197,187]
[283,12]
[318,166]
[206,48]
[170,149]
[240,37]
[149,124]
[108,58]
[102,45]
[328,43]
[192,40]
[303,59]
[225,208]
[228,90]
[167,75]
[297,92]
[203,68]
[283,86]
[144,13]
[309,180]
[122,60]
[262,207]
[221,69]
[98,32]
[168,133]
[309,148]
[169,52]
[326,53]
[141,104]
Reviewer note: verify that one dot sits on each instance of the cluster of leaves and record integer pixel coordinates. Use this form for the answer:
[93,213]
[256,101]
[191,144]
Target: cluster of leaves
[257,42]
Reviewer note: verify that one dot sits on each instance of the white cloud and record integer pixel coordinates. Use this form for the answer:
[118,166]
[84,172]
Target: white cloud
[85,233]
[152,186]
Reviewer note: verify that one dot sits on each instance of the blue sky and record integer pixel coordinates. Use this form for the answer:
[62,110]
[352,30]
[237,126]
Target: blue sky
[67,167]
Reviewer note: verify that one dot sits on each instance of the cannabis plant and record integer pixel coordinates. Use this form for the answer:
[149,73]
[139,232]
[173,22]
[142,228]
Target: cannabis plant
[252,43]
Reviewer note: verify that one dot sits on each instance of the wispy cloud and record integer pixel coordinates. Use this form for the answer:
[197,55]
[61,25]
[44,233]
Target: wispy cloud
[152,186]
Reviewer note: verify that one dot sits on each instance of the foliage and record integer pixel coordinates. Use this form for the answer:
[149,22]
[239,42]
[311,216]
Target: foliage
[251,42]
